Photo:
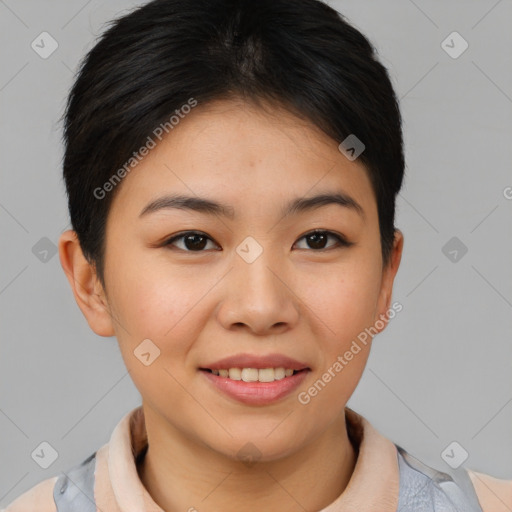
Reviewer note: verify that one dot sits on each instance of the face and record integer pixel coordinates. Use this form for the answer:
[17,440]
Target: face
[255,281]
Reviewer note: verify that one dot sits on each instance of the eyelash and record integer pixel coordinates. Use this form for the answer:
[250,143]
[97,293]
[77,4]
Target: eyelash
[342,242]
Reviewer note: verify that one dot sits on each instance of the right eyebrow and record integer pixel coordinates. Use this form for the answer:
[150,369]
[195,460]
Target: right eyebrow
[183,202]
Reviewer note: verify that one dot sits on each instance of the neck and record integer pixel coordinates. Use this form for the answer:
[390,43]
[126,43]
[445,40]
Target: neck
[177,477]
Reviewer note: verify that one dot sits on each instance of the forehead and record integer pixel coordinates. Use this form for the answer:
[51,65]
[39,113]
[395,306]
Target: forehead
[237,152]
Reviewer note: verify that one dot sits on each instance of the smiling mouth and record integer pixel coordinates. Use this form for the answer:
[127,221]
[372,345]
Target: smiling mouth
[254,374]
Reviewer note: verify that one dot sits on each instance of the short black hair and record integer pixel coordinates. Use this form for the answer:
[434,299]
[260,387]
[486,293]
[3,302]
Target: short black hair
[299,54]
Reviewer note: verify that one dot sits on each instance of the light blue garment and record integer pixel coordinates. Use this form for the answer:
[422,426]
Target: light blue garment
[74,489]
[422,488]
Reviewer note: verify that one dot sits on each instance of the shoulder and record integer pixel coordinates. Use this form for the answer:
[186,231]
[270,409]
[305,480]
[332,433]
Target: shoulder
[424,488]
[39,497]
[74,486]
[463,488]
[494,494]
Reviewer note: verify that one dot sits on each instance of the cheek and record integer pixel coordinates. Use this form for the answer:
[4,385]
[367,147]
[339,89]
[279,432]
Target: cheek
[165,312]
[345,307]
[344,299]
[160,304]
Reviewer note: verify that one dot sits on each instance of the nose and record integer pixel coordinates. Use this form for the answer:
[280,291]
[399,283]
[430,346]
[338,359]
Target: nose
[258,298]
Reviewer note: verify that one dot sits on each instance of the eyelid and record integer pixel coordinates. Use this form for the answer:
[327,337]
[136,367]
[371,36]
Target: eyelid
[341,239]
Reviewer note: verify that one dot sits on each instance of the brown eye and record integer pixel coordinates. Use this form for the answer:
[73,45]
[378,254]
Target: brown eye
[318,240]
[190,241]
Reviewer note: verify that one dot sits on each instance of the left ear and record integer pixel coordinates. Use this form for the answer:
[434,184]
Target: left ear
[388,277]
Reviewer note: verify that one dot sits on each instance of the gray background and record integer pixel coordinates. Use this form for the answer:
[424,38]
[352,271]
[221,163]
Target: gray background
[441,372]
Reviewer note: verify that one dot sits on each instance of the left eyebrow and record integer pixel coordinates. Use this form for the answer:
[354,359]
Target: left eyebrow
[207,206]
[302,204]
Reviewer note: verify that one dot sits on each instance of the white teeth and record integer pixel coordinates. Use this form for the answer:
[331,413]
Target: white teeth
[235,373]
[279,373]
[249,374]
[266,375]
[255,374]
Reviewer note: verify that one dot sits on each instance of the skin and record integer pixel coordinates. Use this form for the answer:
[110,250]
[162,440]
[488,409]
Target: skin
[199,307]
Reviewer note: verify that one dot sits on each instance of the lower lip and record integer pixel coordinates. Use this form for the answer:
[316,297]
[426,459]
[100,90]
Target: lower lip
[257,393]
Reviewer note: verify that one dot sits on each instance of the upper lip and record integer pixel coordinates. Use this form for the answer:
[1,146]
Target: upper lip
[255,361]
